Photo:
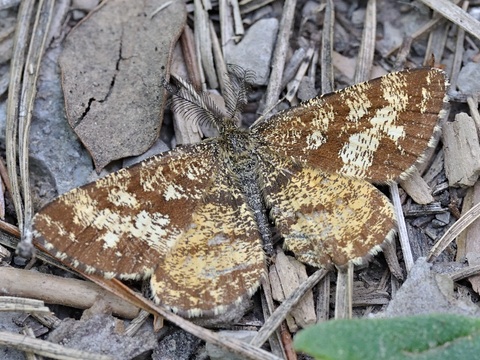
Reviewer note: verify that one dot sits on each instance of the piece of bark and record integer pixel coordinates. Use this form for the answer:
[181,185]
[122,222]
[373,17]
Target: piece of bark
[462,151]
[112,68]
[435,168]
[278,295]
[417,188]
[292,273]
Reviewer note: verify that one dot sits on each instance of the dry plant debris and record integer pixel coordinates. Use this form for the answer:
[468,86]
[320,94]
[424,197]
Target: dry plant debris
[113,64]
[395,23]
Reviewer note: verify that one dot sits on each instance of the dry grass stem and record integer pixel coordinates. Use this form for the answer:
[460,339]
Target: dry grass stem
[10,303]
[343,292]
[402,228]
[45,348]
[326,56]
[454,231]
[57,290]
[323,299]
[279,55]
[367,47]
[456,15]
[274,321]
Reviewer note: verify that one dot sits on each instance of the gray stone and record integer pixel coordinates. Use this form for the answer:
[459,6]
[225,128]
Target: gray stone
[103,334]
[444,218]
[255,50]
[7,325]
[306,89]
[53,144]
[178,345]
[469,78]
[426,292]
[216,353]
[158,147]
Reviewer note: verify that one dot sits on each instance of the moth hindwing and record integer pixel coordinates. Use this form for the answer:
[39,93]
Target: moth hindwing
[195,219]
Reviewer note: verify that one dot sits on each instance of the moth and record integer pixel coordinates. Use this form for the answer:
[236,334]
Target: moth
[197,220]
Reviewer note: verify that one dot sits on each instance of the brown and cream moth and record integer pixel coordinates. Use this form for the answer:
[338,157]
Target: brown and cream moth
[197,219]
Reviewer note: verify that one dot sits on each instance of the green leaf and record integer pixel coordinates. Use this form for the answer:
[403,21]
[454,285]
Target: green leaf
[425,337]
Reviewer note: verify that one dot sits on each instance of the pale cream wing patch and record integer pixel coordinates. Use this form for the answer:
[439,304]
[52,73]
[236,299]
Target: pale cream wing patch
[122,224]
[375,130]
[326,218]
[217,261]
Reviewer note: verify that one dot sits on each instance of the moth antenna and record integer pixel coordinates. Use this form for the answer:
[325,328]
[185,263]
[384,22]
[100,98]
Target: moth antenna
[237,87]
[196,106]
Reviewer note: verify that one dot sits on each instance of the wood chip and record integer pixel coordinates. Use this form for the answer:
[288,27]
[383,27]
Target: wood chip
[462,151]
[291,274]
[417,188]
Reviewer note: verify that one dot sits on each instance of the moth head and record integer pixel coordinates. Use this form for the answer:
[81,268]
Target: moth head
[200,108]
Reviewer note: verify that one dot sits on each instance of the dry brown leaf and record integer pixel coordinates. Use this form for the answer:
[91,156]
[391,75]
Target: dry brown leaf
[112,67]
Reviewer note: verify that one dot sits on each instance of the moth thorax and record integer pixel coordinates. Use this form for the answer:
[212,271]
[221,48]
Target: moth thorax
[228,125]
